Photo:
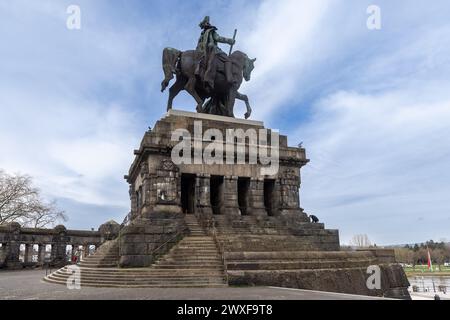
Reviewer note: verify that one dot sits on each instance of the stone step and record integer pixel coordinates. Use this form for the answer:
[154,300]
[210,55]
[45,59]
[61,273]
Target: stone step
[189,261]
[144,278]
[92,258]
[97,257]
[209,264]
[197,242]
[185,266]
[186,257]
[183,255]
[286,265]
[160,285]
[195,246]
[299,255]
[155,273]
[147,271]
[99,265]
[100,261]
[147,283]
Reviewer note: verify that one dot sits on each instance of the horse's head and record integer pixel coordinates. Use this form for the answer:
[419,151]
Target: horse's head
[249,65]
[244,62]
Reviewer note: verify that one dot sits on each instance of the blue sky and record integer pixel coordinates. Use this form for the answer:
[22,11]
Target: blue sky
[372,107]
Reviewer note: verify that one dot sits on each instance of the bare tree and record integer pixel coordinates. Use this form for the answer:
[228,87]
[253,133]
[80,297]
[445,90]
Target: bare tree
[360,241]
[21,202]
[404,255]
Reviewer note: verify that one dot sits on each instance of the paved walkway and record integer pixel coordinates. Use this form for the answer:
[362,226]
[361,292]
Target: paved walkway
[28,285]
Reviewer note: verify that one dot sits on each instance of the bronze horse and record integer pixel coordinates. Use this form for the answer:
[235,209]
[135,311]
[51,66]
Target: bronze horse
[183,64]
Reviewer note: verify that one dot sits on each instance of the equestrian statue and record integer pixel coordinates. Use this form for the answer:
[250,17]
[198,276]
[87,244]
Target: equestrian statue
[208,74]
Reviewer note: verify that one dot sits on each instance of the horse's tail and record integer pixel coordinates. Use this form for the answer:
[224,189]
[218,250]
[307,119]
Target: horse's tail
[169,63]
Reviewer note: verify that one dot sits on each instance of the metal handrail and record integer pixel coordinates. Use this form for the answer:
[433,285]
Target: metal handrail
[166,242]
[126,220]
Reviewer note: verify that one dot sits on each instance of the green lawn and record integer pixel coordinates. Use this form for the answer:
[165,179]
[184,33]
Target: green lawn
[424,269]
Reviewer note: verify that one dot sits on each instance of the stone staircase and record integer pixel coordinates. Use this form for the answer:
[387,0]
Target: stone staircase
[194,262]
[106,256]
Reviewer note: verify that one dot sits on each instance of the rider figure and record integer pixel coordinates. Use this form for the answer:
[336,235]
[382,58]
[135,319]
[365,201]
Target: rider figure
[207,44]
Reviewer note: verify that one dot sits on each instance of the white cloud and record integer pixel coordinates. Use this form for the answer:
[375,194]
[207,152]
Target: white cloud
[284,40]
[380,161]
[64,119]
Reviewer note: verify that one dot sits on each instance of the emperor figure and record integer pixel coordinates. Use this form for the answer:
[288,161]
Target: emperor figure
[207,44]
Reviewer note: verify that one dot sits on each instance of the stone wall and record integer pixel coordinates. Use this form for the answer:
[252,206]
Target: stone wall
[12,236]
[344,272]
[145,239]
[394,283]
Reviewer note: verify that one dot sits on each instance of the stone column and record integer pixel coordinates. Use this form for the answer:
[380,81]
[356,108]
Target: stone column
[230,196]
[12,248]
[85,251]
[289,193]
[41,253]
[203,195]
[12,254]
[133,200]
[27,257]
[60,241]
[276,205]
[256,197]
[2,253]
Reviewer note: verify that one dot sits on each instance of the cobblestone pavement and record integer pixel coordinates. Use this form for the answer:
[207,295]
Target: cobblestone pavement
[28,285]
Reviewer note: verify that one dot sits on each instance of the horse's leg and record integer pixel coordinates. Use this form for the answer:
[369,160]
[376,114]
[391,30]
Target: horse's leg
[190,88]
[244,98]
[175,90]
[169,62]
[166,81]
[231,100]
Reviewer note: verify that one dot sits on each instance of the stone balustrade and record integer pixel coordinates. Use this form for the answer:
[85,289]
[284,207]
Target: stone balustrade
[22,247]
